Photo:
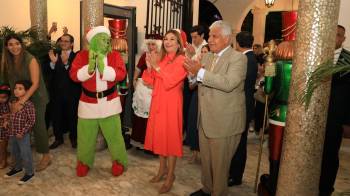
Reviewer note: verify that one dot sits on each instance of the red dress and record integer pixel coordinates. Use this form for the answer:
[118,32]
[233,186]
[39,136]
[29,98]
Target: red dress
[164,127]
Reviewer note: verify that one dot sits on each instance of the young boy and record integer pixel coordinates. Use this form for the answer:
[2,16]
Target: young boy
[4,112]
[22,119]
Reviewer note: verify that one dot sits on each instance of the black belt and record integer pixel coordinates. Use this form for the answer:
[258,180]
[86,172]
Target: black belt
[99,95]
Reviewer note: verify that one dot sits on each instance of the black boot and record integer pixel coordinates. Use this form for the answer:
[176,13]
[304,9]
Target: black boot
[263,187]
[126,137]
[268,182]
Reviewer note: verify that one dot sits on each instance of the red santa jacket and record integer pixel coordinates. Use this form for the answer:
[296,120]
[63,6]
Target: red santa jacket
[114,72]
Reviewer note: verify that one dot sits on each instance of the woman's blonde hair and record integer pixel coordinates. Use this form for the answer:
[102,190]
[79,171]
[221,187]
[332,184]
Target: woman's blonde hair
[180,50]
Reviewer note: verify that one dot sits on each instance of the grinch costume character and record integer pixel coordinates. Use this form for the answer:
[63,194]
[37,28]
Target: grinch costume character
[99,69]
[277,83]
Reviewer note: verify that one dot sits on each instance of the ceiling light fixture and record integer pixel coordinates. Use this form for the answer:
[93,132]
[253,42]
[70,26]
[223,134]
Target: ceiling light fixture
[269,3]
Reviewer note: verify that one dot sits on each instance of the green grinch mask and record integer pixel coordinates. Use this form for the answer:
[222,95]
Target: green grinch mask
[99,47]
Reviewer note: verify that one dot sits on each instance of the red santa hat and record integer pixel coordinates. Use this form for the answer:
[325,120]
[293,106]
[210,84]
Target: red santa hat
[5,89]
[96,30]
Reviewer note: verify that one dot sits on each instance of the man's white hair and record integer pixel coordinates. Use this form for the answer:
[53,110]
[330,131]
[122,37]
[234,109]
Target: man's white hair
[225,27]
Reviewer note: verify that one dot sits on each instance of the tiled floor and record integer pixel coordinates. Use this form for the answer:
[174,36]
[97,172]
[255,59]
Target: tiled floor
[60,179]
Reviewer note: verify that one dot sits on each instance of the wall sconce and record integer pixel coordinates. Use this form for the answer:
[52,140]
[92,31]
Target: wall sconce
[269,3]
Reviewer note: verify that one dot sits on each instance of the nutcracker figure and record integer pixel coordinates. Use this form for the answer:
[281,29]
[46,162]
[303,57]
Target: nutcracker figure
[118,28]
[277,82]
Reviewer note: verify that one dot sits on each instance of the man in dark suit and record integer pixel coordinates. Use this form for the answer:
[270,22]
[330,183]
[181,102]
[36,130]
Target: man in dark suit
[338,120]
[244,42]
[66,93]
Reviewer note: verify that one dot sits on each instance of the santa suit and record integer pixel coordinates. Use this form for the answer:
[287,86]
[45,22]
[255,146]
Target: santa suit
[98,111]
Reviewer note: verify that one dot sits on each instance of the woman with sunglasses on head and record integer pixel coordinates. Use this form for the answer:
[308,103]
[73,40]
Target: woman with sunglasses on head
[166,74]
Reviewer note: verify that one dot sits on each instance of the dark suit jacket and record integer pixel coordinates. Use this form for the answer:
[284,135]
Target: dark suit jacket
[62,84]
[249,84]
[339,103]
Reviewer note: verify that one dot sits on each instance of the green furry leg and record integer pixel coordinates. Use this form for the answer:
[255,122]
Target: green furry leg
[87,135]
[111,129]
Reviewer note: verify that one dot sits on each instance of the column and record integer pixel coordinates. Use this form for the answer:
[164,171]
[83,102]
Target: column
[92,15]
[305,127]
[38,17]
[195,12]
[259,22]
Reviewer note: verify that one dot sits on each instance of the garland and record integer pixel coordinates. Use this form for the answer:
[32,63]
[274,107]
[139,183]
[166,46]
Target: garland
[321,74]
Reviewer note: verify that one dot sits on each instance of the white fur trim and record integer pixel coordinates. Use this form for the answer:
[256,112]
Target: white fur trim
[96,30]
[102,109]
[109,74]
[275,122]
[101,84]
[83,73]
[178,30]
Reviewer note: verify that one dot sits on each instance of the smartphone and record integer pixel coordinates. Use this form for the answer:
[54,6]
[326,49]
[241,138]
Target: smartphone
[54,25]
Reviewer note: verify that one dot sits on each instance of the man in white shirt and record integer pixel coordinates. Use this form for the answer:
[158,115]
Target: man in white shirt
[193,51]
[197,34]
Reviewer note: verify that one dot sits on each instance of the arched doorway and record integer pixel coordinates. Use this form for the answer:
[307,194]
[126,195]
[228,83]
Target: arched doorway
[273,26]
[208,13]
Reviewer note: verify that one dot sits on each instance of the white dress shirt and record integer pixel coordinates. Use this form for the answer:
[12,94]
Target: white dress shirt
[201,72]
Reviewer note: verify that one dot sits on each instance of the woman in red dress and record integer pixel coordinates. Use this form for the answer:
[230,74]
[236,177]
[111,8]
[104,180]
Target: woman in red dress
[166,74]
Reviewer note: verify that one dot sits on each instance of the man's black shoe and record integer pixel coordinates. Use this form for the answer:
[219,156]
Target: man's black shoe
[74,143]
[25,179]
[232,182]
[199,193]
[55,144]
[12,172]
[127,138]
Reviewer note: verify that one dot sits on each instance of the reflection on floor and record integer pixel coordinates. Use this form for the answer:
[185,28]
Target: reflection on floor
[60,179]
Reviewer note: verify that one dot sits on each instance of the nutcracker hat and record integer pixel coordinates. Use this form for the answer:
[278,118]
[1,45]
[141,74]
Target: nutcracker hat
[118,28]
[96,30]
[289,25]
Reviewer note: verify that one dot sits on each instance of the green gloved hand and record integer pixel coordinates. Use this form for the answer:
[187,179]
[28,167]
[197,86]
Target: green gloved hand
[100,63]
[100,45]
[92,62]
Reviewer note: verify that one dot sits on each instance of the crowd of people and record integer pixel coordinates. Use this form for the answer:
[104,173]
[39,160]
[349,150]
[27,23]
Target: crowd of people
[204,94]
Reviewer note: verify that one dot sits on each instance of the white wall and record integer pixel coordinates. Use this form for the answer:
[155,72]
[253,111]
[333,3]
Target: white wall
[15,13]
[65,13]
